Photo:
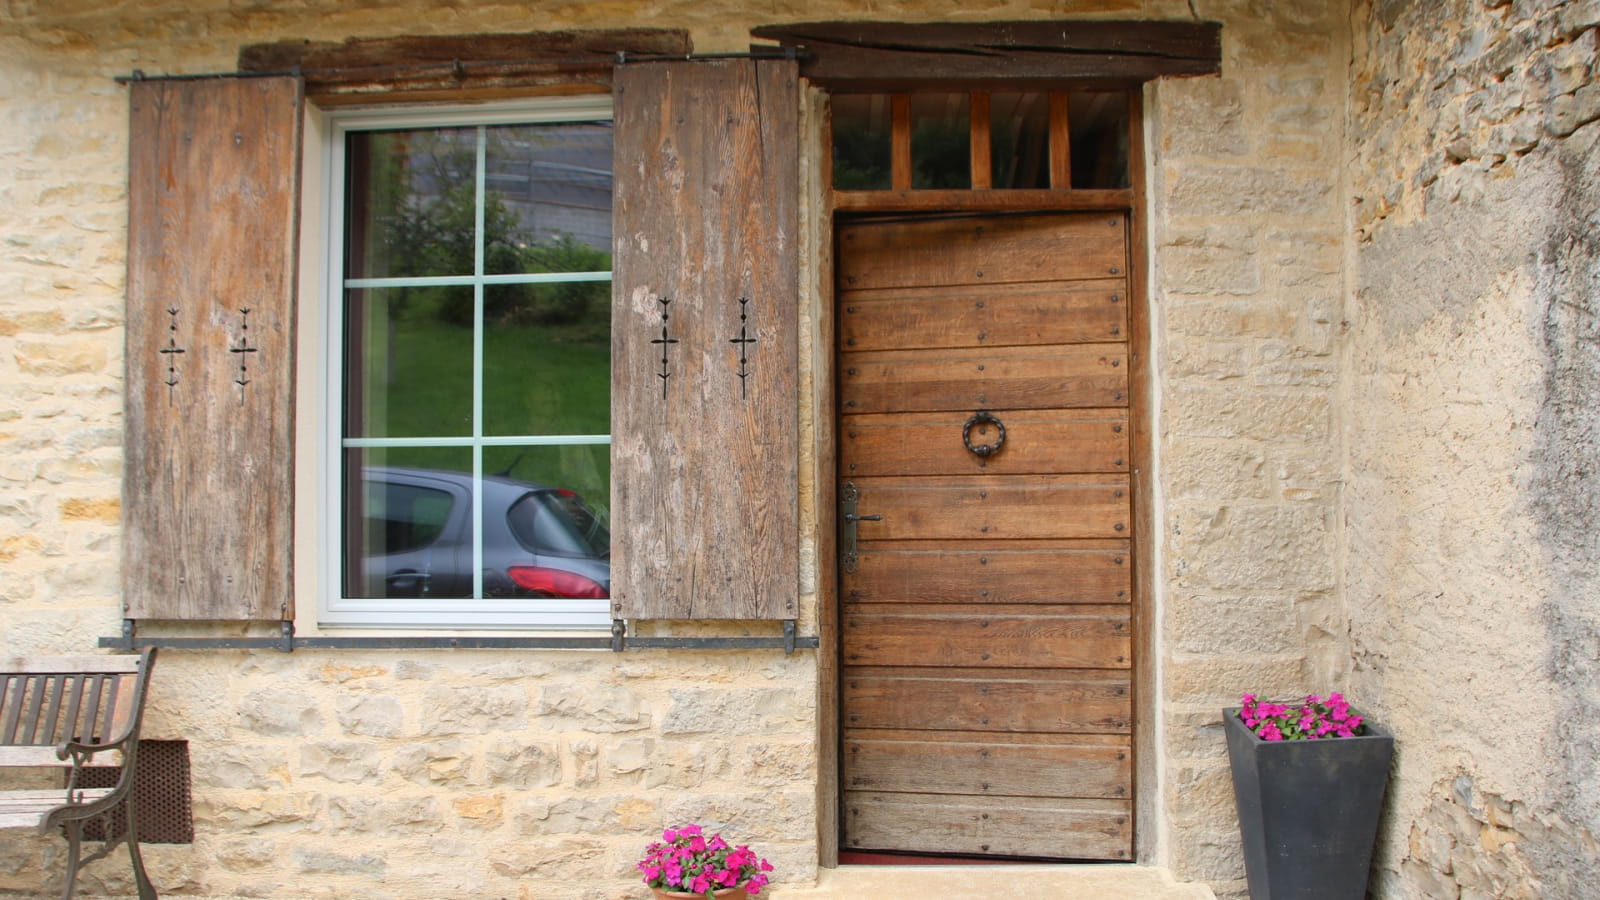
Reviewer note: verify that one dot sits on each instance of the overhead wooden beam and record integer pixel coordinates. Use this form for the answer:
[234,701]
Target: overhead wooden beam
[896,56]
[462,64]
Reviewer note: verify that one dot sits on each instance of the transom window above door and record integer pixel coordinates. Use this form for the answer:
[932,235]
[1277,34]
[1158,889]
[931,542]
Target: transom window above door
[978,141]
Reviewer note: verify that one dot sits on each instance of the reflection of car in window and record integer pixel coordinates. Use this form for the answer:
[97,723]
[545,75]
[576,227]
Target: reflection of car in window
[416,539]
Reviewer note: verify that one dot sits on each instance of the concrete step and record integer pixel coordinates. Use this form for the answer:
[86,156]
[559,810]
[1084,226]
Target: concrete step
[1021,882]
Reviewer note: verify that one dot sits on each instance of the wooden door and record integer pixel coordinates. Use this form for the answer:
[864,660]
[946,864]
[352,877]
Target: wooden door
[986,609]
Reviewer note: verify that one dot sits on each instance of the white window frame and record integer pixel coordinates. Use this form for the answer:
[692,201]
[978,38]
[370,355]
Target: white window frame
[334,608]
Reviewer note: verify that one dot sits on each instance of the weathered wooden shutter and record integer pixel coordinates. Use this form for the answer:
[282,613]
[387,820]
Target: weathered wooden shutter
[213,185]
[704,341]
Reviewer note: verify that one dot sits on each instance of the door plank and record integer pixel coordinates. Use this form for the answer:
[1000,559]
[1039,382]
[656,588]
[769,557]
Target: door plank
[999,826]
[1044,441]
[1039,377]
[1057,701]
[990,576]
[988,765]
[982,250]
[1053,312]
[994,507]
[999,637]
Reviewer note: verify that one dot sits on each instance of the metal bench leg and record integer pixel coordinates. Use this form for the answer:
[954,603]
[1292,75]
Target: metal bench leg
[74,830]
[147,891]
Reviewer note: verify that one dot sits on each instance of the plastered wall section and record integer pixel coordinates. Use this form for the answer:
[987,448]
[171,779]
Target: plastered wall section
[537,774]
[1472,501]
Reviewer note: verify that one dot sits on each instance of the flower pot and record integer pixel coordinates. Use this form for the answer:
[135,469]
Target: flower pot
[1308,810]
[733,893]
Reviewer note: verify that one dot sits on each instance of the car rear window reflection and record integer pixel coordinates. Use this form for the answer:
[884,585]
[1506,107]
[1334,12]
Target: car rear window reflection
[559,524]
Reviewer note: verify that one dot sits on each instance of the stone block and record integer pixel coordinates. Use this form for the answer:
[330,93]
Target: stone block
[385,815]
[352,762]
[323,862]
[377,716]
[586,706]
[1211,261]
[1232,624]
[734,711]
[1201,117]
[1237,411]
[240,766]
[107,510]
[1201,794]
[61,357]
[444,763]
[1206,853]
[573,859]
[479,811]
[1194,732]
[1213,679]
[1252,548]
[245,854]
[1247,191]
[576,815]
[279,712]
[1214,469]
[1226,317]
[1207,361]
[583,761]
[688,764]
[523,764]
[474,709]
[236,812]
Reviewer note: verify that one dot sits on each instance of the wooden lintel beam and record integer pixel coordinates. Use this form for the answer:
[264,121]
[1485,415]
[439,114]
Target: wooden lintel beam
[892,56]
[361,59]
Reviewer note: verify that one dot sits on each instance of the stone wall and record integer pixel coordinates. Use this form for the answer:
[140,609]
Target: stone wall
[1472,507]
[322,773]
[1247,287]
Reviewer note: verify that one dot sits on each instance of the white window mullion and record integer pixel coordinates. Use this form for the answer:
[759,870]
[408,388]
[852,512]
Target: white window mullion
[480,177]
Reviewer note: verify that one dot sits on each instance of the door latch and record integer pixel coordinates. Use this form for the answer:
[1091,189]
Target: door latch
[848,496]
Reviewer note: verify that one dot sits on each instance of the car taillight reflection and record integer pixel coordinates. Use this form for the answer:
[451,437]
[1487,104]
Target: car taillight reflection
[544,582]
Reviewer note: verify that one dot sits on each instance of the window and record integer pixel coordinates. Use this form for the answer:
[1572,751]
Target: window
[469,366]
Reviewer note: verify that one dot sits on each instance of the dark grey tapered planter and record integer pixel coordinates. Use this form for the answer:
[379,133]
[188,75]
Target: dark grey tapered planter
[1308,810]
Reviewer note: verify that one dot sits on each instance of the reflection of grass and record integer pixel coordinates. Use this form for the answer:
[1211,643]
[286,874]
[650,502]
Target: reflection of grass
[552,379]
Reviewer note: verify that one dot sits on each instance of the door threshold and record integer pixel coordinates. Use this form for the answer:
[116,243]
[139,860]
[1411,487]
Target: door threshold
[890,858]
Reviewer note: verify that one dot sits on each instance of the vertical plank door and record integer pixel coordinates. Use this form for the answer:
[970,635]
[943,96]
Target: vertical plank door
[986,696]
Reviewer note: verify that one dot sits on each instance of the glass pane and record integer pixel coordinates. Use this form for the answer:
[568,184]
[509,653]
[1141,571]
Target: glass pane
[408,362]
[547,358]
[545,522]
[1019,140]
[861,142]
[412,202]
[583,469]
[407,522]
[1099,123]
[547,198]
[941,141]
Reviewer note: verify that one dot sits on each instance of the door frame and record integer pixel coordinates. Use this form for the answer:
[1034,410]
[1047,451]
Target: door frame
[835,206]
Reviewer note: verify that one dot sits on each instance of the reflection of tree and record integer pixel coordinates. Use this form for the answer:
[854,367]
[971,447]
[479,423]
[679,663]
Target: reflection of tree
[424,212]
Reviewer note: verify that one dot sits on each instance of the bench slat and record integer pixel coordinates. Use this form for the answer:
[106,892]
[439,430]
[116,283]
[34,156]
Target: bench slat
[66,665]
[26,809]
[46,756]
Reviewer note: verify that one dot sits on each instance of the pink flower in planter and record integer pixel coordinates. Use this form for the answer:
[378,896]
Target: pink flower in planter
[1314,719]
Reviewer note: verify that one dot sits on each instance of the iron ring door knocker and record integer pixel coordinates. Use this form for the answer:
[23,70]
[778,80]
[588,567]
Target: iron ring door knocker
[983,451]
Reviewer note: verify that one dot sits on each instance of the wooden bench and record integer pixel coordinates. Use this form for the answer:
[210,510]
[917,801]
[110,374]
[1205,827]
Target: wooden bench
[71,713]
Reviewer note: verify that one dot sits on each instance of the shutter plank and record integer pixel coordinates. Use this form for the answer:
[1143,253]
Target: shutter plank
[705,477]
[1051,312]
[208,492]
[999,826]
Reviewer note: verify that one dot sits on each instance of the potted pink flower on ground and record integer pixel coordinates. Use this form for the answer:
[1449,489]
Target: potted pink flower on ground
[1308,779]
[686,863]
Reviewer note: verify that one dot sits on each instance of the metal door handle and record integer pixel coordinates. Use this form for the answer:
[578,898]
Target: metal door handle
[852,517]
